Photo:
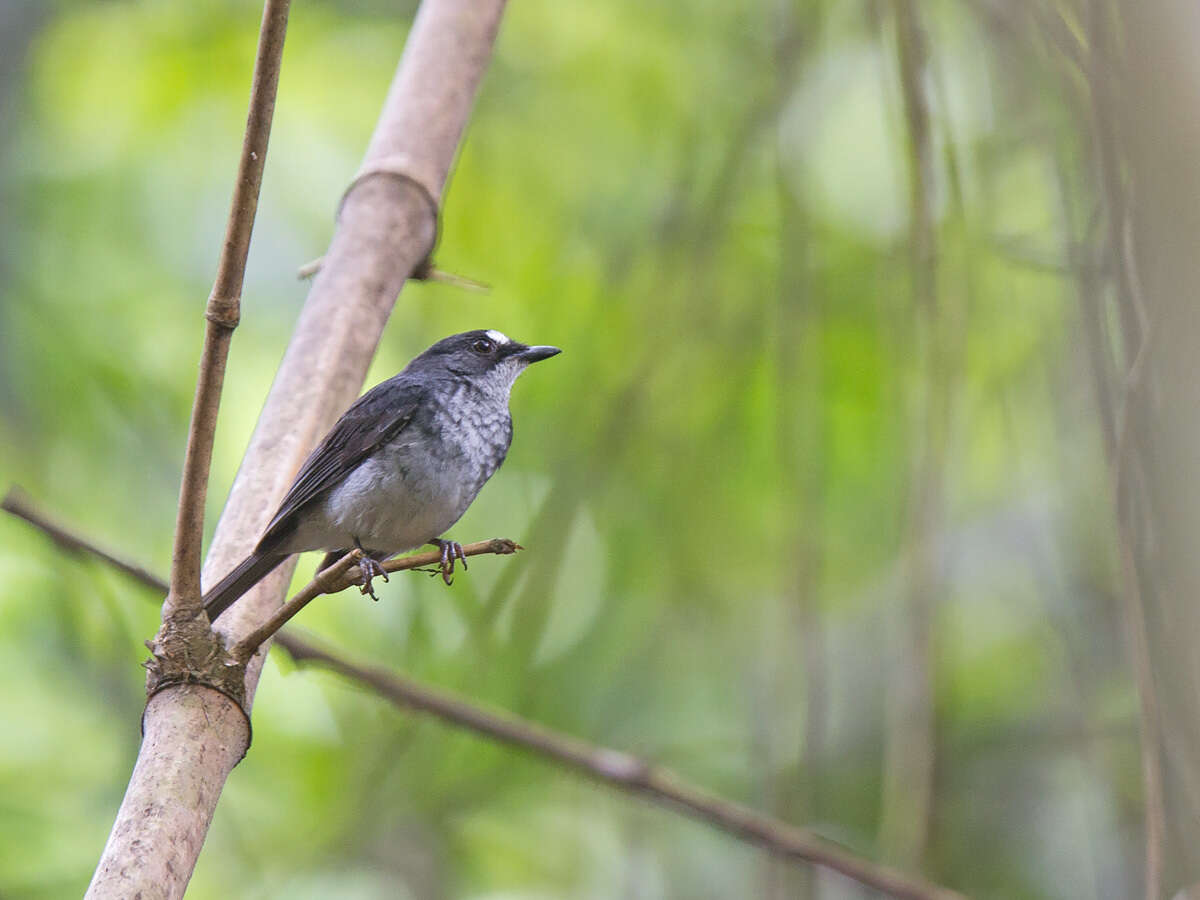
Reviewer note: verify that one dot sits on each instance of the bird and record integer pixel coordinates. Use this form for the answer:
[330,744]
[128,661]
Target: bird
[400,466]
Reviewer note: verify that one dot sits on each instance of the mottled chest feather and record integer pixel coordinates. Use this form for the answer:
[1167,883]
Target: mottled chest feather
[474,426]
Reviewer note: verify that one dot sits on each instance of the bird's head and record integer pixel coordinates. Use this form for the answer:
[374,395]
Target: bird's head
[489,358]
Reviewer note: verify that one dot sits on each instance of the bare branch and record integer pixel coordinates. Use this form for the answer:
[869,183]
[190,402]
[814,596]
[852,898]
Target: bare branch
[627,772]
[322,584]
[910,749]
[608,766]
[427,271]
[340,576]
[386,227]
[1120,401]
[222,312]
[193,736]
[432,273]
[18,504]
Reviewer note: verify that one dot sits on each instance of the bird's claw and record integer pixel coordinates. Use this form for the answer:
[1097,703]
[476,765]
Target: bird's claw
[451,550]
[370,569]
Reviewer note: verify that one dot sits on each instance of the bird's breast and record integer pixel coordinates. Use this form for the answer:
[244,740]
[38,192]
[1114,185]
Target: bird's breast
[415,487]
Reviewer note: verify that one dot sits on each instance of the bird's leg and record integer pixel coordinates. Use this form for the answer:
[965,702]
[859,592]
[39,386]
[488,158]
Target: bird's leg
[450,551]
[370,567]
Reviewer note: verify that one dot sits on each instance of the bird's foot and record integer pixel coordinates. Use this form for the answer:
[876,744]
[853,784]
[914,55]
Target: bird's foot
[370,568]
[451,550]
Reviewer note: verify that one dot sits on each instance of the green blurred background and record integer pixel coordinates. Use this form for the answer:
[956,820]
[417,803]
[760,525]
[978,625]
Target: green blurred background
[816,502]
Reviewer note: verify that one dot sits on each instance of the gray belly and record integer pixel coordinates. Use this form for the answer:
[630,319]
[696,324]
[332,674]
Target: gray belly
[397,499]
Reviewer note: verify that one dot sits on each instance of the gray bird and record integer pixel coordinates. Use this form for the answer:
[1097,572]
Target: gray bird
[400,466]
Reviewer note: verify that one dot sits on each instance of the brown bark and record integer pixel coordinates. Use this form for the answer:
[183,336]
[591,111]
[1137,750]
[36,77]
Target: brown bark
[222,314]
[385,230]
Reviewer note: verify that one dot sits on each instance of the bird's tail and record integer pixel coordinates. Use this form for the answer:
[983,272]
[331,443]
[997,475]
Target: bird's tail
[249,572]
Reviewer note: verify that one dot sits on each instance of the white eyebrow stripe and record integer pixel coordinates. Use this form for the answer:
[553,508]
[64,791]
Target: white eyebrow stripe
[498,337]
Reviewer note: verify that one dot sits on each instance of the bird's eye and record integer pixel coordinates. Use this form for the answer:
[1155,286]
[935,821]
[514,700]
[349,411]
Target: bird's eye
[483,346]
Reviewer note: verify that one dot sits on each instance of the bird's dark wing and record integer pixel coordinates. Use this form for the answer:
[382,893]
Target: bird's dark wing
[375,418]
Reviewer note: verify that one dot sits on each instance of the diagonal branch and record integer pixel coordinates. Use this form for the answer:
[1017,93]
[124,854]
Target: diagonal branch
[323,583]
[331,580]
[222,312]
[339,576]
[16,502]
[608,766]
[625,772]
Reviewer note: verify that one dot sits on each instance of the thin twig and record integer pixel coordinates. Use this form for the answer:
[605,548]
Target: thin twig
[627,772]
[1136,340]
[603,764]
[335,578]
[496,546]
[910,749]
[793,789]
[1103,98]
[17,502]
[462,282]
[323,583]
[427,271]
[222,313]
[338,577]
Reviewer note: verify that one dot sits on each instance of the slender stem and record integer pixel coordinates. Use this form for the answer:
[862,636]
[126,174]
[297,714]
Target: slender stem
[386,227]
[18,504]
[624,771]
[338,577]
[909,765]
[322,584]
[222,312]
[608,766]
[496,546]
[1117,420]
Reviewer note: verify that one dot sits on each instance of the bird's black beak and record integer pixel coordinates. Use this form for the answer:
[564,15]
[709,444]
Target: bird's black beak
[537,354]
